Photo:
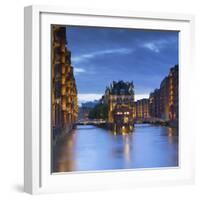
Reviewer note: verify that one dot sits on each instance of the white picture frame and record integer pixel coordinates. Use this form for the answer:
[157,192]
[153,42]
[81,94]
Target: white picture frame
[37,172]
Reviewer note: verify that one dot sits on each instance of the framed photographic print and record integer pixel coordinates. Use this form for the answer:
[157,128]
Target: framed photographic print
[106,99]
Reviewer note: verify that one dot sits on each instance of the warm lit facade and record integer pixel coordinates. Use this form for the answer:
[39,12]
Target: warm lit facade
[164,99]
[142,109]
[64,92]
[163,102]
[154,104]
[120,99]
[173,93]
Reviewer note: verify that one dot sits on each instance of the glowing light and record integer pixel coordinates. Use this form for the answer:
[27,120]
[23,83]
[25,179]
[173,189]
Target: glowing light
[125,119]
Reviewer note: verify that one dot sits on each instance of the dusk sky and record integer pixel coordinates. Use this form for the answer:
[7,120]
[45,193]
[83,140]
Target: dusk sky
[101,55]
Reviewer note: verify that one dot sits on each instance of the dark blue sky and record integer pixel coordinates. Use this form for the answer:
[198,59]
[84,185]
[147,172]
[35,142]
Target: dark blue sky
[100,55]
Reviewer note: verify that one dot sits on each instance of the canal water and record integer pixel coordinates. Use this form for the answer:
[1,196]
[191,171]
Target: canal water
[89,148]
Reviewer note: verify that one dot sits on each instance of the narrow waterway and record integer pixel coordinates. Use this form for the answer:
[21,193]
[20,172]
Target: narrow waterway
[90,148]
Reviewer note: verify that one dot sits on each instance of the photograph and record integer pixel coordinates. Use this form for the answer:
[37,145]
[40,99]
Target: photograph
[114,98]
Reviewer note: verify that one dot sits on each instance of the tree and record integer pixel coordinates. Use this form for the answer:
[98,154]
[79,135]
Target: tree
[100,111]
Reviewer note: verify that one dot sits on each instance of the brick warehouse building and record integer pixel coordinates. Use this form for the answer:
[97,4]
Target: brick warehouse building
[163,102]
[142,109]
[64,92]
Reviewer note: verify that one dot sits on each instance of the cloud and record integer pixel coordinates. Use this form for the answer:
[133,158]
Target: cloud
[151,46]
[141,96]
[82,98]
[78,70]
[156,45]
[83,57]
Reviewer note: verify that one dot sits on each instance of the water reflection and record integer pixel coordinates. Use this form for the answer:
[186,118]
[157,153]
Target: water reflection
[64,154]
[127,147]
[92,148]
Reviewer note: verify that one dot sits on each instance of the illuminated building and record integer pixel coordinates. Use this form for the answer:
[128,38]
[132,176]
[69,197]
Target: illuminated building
[163,102]
[120,100]
[64,92]
[142,109]
[164,99]
[173,93]
[154,104]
